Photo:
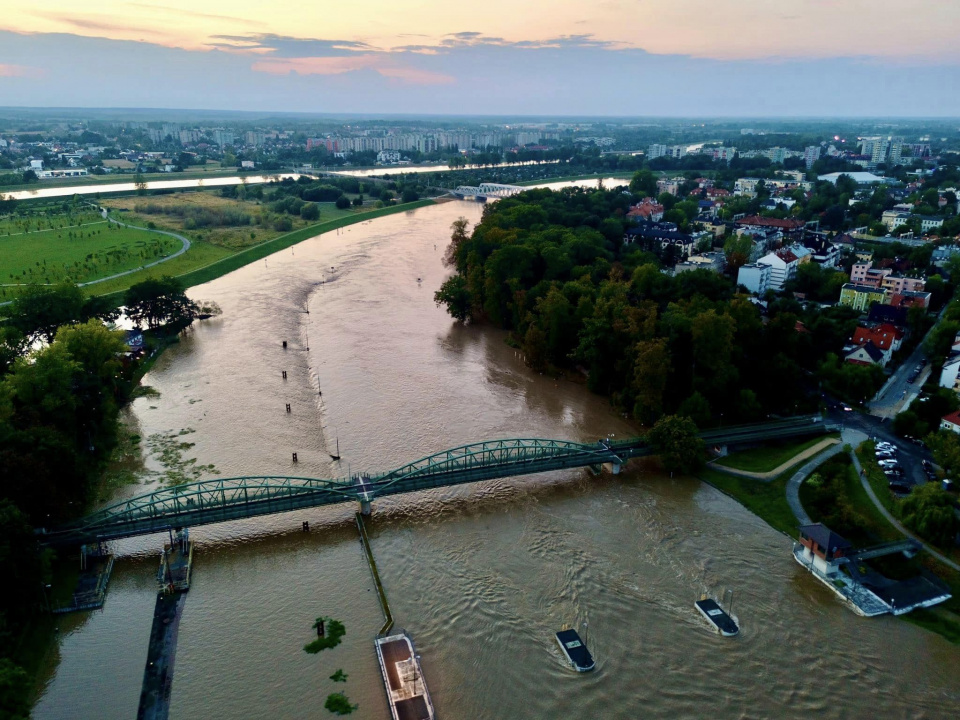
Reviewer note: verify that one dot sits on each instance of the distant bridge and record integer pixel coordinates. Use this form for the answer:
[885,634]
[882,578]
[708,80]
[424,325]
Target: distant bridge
[486,190]
[224,499]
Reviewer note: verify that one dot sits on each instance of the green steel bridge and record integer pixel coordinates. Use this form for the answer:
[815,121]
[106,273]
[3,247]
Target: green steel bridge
[224,499]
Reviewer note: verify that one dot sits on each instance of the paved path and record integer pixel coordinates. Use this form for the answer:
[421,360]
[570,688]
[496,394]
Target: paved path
[892,520]
[783,467]
[185,245]
[794,483]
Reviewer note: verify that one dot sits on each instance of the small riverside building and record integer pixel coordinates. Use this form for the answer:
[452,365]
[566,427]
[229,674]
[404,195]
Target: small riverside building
[822,547]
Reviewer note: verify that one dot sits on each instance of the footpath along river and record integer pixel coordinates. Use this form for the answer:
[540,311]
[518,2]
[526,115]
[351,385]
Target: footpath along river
[481,575]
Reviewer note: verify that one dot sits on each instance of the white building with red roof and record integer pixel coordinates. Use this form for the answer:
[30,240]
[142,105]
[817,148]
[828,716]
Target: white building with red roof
[647,209]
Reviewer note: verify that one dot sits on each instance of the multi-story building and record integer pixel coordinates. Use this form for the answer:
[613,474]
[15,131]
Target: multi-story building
[928,223]
[655,151]
[223,138]
[755,277]
[811,155]
[898,284]
[388,157]
[861,297]
[894,219]
[783,267]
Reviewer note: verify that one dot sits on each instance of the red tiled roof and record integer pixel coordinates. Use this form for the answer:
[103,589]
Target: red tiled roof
[953,418]
[787,256]
[883,336]
[786,224]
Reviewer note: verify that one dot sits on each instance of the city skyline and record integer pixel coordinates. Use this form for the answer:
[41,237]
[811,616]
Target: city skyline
[615,58]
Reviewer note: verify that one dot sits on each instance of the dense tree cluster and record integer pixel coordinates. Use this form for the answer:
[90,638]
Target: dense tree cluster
[553,268]
[63,377]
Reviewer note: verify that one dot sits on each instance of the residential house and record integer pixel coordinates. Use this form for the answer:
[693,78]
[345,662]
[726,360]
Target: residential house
[928,222]
[660,235]
[671,186]
[909,299]
[898,284]
[783,266]
[888,315]
[790,228]
[894,219]
[861,297]
[886,338]
[823,251]
[866,354]
[647,209]
[951,422]
[755,277]
[950,375]
[712,261]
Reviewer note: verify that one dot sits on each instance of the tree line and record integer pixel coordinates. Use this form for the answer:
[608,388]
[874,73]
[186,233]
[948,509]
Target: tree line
[554,269]
[64,375]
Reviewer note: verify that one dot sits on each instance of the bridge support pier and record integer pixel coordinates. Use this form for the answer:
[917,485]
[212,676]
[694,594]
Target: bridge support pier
[366,508]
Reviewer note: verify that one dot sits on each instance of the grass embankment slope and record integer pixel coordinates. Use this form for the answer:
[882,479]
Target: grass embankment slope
[765,498]
[206,261]
[769,457]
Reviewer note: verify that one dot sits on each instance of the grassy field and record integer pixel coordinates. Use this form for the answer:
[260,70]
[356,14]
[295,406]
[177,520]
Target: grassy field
[241,223]
[79,253]
[205,262]
[768,457]
[766,499]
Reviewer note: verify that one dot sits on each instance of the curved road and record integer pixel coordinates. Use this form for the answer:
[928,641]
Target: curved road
[183,248]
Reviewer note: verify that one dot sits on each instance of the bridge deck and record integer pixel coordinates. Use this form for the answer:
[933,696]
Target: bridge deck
[220,500]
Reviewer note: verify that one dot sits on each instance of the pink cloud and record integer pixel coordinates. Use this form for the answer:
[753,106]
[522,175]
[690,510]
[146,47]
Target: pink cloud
[350,63]
[19,71]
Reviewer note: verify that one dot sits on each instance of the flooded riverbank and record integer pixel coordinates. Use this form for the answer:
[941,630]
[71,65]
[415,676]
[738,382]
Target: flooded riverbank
[481,575]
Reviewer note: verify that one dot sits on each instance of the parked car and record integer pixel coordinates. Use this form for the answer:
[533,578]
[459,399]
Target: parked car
[885,456]
[898,487]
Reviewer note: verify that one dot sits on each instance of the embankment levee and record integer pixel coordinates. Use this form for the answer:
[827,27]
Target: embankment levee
[258,252]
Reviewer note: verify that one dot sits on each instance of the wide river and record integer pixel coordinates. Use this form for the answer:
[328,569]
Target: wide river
[481,575]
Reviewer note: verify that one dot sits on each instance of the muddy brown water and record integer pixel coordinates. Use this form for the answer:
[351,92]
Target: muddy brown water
[481,575]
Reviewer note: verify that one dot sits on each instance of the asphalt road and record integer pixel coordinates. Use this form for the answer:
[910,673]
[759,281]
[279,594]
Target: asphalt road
[908,454]
[898,392]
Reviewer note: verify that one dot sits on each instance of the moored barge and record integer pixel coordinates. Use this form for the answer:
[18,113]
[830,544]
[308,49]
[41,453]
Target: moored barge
[717,617]
[407,692]
[575,650]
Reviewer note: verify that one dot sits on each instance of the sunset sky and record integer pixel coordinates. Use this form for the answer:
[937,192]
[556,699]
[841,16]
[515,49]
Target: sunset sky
[623,57]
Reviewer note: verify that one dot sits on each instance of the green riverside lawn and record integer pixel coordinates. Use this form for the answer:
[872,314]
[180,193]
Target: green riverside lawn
[204,262]
[81,254]
[769,457]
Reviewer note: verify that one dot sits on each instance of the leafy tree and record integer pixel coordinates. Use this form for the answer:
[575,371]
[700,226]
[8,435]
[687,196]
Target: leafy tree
[409,196]
[650,375]
[343,202]
[928,511]
[454,294]
[38,311]
[675,439]
[945,447]
[159,300]
[15,687]
[737,249]
[644,182]
[310,212]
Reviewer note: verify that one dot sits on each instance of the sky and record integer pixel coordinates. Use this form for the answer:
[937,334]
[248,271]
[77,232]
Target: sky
[704,58]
